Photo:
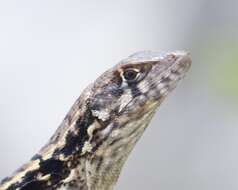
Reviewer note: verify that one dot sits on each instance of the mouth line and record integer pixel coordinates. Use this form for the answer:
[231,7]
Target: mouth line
[179,68]
[170,77]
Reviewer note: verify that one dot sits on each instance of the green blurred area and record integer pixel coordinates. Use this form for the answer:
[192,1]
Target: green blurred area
[222,55]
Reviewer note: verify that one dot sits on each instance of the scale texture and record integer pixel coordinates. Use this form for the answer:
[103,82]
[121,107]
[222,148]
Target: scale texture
[90,147]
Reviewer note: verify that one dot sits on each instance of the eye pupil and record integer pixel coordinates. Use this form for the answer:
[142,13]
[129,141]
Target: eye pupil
[130,75]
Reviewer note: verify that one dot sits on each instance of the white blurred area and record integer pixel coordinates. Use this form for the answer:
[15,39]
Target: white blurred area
[51,50]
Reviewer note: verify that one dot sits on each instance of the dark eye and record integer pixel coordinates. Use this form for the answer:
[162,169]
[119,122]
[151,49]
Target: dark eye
[130,75]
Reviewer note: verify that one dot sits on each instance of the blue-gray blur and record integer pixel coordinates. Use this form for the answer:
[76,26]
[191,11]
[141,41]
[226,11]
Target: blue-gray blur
[50,50]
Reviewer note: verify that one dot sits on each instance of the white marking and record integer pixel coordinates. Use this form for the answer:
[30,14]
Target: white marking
[71,176]
[63,188]
[105,131]
[166,74]
[101,114]
[144,86]
[125,99]
[87,147]
[92,127]
[161,86]
[115,133]
[173,77]
[164,91]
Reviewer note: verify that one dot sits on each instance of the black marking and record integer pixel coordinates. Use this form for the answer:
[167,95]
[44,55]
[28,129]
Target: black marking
[115,140]
[99,164]
[97,136]
[34,185]
[135,91]
[51,166]
[103,124]
[117,92]
[14,186]
[75,140]
[117,78]
[98,161]
[72,140]
[83,124]
[176,72]
[166,79]
[55,168]
[36,157]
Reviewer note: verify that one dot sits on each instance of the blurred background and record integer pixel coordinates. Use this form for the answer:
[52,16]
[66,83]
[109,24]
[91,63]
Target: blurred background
[51,50]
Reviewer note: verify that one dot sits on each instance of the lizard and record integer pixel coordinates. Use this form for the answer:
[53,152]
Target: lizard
[90,147]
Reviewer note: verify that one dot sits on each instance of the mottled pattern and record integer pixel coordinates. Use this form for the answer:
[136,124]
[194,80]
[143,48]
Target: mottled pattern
[90,147]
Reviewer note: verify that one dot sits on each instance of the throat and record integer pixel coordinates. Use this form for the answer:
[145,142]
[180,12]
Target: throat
[104,166]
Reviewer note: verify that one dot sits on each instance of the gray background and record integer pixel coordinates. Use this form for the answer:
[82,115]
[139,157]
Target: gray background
[51,50]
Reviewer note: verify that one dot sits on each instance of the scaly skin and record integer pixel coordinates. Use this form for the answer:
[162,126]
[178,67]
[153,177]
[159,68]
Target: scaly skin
[94,140]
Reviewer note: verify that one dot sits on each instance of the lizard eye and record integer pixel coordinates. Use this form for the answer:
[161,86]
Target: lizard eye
[130,74]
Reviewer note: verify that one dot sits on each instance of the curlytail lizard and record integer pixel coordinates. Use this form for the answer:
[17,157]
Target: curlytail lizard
[91,145]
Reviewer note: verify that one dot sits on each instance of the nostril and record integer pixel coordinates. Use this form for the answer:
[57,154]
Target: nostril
[166,79]
[175,71]
[172,57]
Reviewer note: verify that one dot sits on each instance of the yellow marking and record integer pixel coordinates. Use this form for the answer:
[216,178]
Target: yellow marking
[72,176]
[61,157]
[34,165]
[69,164]
[92,127]
[49,183]
[45,177]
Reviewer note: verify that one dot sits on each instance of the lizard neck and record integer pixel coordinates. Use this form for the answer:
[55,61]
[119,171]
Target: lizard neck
[103,167]
[61,163]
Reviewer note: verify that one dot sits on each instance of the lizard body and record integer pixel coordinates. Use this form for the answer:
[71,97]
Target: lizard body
[88,150]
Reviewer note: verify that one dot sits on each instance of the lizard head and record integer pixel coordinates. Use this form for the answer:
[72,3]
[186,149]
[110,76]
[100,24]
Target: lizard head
[137,82]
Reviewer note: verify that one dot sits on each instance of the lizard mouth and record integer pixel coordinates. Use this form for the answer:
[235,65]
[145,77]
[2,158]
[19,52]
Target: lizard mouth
[168,72]
[182,64]
[177,63]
